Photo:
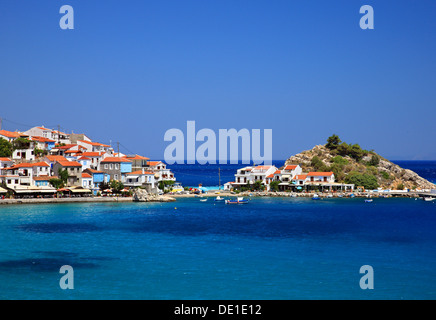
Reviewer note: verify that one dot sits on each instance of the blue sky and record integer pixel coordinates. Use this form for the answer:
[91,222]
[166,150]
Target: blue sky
[130,70]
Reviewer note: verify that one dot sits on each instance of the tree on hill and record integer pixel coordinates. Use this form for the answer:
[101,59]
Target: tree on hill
[333,142]
[21,143]
[366,180]
[5,148]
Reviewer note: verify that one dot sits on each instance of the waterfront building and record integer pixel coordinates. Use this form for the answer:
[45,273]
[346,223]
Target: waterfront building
[115,167]
[74,170]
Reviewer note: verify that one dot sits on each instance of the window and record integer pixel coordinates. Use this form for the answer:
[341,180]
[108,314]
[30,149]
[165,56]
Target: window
[105,166]
[9,181]
[115,176]
[117,166]
[111,166]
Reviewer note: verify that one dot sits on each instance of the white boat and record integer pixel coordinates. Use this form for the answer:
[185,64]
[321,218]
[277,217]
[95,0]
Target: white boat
[219,199]
[428,199]
[237,201]
[368,200]
[203,200]
[316,197]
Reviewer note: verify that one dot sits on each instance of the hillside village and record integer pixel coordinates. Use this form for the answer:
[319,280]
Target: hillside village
[44,162]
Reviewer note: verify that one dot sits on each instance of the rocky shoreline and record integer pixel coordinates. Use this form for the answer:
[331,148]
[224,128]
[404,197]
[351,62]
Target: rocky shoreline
[141,195]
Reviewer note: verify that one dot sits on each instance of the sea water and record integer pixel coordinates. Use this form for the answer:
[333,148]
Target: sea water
[270,248]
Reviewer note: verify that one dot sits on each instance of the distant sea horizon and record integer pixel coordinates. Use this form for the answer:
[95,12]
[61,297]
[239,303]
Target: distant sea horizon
[208,174]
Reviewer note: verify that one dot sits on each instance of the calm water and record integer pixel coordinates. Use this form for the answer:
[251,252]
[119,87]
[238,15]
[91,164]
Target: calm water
[281,248]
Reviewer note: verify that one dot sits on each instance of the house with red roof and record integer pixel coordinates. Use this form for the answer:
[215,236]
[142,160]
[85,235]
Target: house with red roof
[93,146]
[5,162]
[11,136]
[115,167]
[138,162]
[40,132]
[87,180]
[162,173]
[321,177]
[74,170]
[85,162]
[139,178]
[43,143]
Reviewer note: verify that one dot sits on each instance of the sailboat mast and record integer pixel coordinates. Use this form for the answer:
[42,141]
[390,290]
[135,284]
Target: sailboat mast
[219,178]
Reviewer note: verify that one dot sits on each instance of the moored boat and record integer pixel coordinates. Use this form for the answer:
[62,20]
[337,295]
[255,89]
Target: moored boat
[238,200]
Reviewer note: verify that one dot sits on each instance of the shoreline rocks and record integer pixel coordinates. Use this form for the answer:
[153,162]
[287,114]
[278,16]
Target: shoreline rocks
[141,195]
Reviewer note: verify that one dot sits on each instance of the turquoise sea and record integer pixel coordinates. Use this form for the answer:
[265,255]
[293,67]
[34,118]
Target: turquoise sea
[270,248]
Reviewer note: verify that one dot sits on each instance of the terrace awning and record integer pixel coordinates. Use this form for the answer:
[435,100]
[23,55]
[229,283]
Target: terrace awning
[3,190]
[80,190]
[34,190]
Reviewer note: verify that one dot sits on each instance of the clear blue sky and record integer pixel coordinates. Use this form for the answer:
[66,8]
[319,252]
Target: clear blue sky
[130,70]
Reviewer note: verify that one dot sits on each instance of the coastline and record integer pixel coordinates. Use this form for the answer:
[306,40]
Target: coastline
[246,194]
[64,200]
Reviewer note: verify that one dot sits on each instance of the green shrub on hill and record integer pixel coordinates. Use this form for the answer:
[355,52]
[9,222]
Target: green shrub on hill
[366,180]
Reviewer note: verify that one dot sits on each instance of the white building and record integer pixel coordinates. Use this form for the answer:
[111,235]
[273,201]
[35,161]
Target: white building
[87,181]
[160,170]
[139,178]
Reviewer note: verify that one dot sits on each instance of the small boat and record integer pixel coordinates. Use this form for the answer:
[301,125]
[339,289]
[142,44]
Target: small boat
[316,197]
[237,201]
[352,195]
[368,200]
[428,199]
[203,200]
[219,199]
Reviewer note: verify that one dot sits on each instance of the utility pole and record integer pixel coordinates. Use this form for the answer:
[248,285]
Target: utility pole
[59,134]
[219,178]
[118,147]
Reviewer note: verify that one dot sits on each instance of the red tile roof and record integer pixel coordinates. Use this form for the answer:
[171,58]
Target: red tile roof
[94,143]
[93,171]
[84,158]
[43,178]
[92,154]
[271,176]
[262,167]
[86,175]
[300,177]
[115,159]
[137,157]
[41,164]
[56,158]
[9,134]
[291,167]
[153,163]
[5,159]
[69,163]
[319,174]
[42,139]
[140,172]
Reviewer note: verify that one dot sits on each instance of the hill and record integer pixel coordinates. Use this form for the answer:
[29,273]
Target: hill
[352,164]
